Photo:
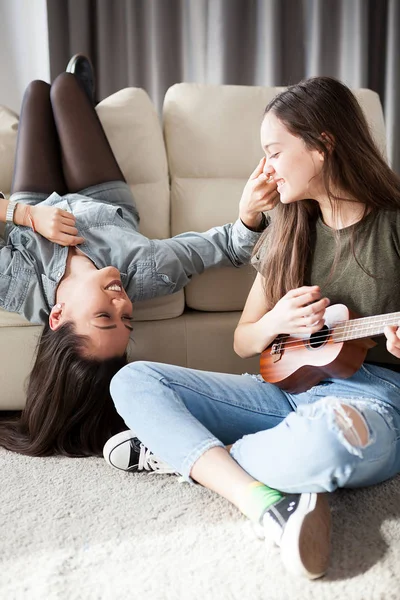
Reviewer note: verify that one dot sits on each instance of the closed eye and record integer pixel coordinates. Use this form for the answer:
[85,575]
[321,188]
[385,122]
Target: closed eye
[275,155]
[125,318]
[129,320]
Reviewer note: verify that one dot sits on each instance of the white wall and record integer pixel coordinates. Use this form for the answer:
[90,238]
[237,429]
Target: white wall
[24,48]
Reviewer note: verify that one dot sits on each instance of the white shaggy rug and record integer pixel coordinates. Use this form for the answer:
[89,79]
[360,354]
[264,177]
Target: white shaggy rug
[74,529]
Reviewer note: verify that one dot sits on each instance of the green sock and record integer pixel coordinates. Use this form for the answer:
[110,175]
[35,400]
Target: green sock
[257,499]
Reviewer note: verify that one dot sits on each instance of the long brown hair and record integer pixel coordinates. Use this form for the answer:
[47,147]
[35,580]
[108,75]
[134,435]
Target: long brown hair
[353,164]
[69,409]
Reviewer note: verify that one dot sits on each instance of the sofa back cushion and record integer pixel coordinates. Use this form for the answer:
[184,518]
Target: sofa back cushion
[133,129]
[212,136]
[8,141]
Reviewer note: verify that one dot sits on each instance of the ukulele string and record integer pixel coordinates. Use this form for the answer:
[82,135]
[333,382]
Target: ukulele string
[342,327]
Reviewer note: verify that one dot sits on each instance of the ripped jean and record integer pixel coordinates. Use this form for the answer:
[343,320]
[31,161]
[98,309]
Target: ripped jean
[291,442]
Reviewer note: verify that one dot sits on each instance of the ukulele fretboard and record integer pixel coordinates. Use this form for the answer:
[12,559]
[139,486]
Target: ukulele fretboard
[363,327]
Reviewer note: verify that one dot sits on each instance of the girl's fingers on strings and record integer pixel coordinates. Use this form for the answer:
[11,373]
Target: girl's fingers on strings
[315,308]
[309,326]
[314,320]
[310,289]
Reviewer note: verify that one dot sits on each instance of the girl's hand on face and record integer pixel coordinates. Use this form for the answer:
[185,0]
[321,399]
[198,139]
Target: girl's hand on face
[55,224]
[301,311]
[259,195]
[392,334]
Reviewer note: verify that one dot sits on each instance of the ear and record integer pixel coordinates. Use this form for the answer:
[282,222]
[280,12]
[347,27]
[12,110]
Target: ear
[56,317]
[328,140]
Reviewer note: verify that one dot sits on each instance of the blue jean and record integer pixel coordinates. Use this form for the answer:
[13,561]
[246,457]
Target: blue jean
[291,442]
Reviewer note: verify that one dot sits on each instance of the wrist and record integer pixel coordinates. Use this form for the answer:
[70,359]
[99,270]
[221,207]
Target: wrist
[255,223]
[19,214]
[23,215]
[267,326]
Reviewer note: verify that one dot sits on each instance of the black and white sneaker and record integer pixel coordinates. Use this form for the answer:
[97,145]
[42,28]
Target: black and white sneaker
[126,452]
[300,524]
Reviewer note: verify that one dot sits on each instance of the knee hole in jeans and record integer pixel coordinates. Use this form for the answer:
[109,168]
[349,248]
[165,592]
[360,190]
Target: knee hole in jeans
[352,424]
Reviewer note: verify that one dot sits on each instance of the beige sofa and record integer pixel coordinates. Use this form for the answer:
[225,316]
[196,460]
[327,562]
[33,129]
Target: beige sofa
[186,174]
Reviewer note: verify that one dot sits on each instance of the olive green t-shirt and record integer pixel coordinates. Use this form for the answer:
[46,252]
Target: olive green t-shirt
[377,248]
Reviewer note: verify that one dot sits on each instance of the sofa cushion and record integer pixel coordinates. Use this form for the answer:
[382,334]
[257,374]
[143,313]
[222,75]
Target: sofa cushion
[134,131]
[8,141]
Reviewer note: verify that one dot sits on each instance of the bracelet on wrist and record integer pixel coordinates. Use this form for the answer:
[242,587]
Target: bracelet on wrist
[10,211]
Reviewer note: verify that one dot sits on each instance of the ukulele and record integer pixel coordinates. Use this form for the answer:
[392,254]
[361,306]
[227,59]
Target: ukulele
[296,362]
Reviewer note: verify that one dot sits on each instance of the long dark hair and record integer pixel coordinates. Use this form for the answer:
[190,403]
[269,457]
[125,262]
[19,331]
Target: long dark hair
[69,409]
[353,164]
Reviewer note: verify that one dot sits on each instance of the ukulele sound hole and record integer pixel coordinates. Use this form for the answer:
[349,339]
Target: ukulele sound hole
[319,338]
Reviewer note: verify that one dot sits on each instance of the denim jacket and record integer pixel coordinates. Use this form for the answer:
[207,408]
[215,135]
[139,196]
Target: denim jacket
[31,266]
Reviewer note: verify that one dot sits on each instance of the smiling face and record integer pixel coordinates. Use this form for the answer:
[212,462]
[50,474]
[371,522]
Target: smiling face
[296,169]
[98,306]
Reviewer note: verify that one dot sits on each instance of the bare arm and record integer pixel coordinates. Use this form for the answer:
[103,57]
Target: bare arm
[187,254]
[53,223]
[253,332]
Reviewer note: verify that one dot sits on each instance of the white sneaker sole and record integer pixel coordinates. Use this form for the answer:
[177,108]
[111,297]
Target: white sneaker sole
[117,450]
[306,540]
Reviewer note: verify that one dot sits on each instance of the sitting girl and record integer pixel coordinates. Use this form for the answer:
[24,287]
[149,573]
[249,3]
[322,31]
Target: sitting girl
[334,237]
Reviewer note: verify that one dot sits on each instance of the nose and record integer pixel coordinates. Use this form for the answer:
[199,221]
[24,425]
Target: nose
[121,303]
[110,272]
[268,170]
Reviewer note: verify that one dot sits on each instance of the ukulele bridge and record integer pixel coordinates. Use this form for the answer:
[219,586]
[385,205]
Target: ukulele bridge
[276,351]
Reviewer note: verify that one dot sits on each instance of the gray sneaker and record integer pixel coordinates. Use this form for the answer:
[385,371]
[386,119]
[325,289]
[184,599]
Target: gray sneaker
[126,452]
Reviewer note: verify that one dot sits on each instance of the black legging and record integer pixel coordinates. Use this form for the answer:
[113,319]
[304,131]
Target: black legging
[61,144]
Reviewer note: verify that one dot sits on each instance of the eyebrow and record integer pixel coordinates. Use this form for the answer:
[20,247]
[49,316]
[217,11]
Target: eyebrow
[271,144]
[111,327]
